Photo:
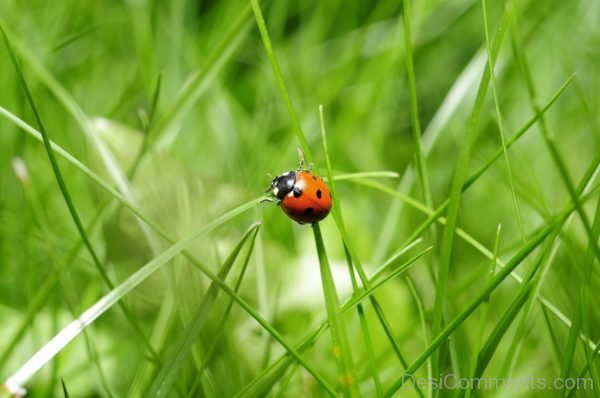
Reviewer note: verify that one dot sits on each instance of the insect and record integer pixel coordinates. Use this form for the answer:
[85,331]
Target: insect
[303,196]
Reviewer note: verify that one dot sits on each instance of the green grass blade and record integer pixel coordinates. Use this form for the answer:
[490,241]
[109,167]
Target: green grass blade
[213,344]
[339,337]
[163,233]
[587,367]
[73,329]
[166,376]
[423,320]
[532,243]
[509,316]
[264,34]
[64,97]
[484,313]
[557,222]
[279,366]
[460,176]
[337,215]
[592,170]
[365,329]
[166,128]
[365,174]
[414,105]
[524,297]
[491,63]
[549,139]
[64,388]
[66,193]
[54,164]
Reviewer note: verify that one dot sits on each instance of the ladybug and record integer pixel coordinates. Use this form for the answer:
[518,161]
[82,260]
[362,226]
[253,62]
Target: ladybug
[303,196]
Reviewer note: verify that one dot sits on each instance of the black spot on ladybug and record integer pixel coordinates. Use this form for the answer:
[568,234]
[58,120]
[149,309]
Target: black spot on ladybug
[297,192]
[314,178]
[308,211]
[329,195]
[319,193]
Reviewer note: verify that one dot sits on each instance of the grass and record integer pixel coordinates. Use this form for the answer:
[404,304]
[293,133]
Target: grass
[136,145]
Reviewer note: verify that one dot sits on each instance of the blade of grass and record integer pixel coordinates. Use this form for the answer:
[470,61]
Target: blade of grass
[414,105]
[580,321]
[284,361]
[548,137]
[67,195]
[481,248]
[538,280]
[458,93]
[64,388]
[523,298]
[339,337]
[460,176]
[164,131]
[264,34]
[45,229]
[167,374]
[421,311]
[586,368]
[155,226]
[160,334]
[364,328]
[366,174]
[337,215]
[75,110]
[46,289]
[532,243]
[72,330]
[212,346]
[483,315]
[560,164]
[491,63]
[585,299]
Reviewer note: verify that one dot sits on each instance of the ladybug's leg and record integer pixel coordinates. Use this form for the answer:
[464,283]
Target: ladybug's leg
[269,199]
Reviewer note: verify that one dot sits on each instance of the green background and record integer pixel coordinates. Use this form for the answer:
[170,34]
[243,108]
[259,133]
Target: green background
[209,140]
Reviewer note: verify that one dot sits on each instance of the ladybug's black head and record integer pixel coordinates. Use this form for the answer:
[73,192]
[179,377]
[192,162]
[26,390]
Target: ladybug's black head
[283,184]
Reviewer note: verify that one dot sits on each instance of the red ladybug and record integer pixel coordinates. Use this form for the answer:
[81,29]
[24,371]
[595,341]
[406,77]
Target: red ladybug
[304,197]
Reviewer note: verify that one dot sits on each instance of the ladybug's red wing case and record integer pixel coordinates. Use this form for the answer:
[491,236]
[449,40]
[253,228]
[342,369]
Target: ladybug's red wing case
[309,201]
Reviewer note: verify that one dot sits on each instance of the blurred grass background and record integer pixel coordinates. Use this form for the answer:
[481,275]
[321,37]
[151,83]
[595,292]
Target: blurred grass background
[213,151]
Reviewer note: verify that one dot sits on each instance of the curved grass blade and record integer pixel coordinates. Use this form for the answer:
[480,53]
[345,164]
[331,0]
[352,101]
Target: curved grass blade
[414,106]
[365,174]
[491,63]
[165,378]
[165,130]
[483,250]
[593,247]
[264,34]
[484,313]
[73,329]
[67,195]
[163,233]
[339,337]
[471,306]
[337,215]
[533,242]
[213,345]
[54,86]
[280,365]
[365,329]
[460,176]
